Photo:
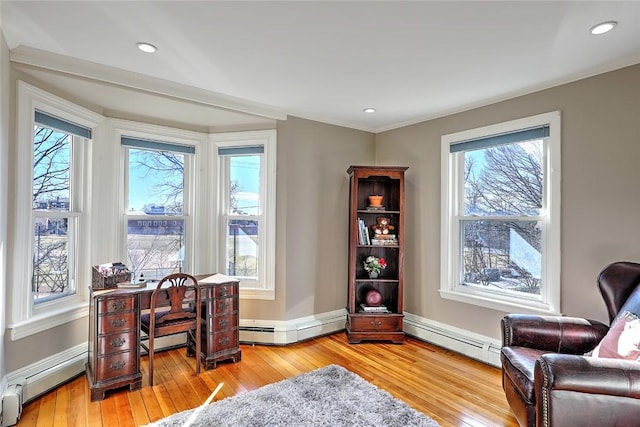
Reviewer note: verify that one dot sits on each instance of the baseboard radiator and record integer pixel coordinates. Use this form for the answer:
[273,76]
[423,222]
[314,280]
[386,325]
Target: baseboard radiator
[46,374]
[12,402]
[461,341]
[291,331]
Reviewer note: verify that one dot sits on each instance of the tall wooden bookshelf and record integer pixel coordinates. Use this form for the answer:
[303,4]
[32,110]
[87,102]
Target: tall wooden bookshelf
[384,323]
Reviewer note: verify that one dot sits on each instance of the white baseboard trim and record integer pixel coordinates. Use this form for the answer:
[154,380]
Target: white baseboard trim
[50,372]
[470,344]
[291,331]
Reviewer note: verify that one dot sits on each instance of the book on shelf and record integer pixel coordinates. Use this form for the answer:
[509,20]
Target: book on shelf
[385,237]
[374,309]
[363,233]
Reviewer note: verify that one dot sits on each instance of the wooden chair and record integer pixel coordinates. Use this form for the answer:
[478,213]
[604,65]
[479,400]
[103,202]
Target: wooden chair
[183,315]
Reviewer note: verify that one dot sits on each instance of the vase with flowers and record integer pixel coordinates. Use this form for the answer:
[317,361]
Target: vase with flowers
[373,266]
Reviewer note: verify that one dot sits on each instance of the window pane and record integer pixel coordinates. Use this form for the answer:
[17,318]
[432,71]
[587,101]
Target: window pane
[504,180]
[156,182]
[51,169]
[51,260]
[244,191]
[502,255]
[155,247]
[242,248]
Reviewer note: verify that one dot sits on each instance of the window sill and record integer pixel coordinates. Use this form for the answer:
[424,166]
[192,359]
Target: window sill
[49,320]
[490,301]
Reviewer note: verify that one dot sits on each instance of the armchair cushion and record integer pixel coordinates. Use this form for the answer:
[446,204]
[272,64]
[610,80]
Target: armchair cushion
[623,339]
[586,391]
[518,366]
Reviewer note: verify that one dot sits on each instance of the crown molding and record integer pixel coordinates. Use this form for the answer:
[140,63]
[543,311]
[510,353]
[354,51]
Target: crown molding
[116,76]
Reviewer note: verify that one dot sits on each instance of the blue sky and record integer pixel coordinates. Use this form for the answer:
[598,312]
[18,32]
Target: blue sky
[143,187]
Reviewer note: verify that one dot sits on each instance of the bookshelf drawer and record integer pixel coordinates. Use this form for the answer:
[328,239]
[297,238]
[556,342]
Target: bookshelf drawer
[375,323]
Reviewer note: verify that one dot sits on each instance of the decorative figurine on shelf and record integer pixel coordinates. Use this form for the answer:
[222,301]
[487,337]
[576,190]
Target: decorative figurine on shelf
[373,298]
[382,226]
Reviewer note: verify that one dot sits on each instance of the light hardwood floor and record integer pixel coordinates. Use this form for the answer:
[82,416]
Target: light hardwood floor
[450,388]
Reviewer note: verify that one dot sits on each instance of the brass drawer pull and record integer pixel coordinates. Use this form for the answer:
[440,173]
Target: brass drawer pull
[116,366]
[374,323]
[119,342]
[223,341]
[223,322]
[118,304]
[224,291]
[224,305]
[116,323]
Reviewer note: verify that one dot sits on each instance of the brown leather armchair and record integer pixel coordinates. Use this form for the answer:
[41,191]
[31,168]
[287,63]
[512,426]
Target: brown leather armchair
[546,377]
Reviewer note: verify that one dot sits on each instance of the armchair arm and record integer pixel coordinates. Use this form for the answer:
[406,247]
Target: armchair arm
[574,390]
[571,335]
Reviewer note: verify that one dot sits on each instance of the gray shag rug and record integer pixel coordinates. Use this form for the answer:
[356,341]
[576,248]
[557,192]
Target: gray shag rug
[329,396]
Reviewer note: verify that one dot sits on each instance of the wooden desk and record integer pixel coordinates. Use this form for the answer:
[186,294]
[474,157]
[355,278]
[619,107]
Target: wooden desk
[114,333]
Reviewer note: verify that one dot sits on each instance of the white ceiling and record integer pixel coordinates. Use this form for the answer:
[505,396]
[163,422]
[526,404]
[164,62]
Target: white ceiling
[321,60]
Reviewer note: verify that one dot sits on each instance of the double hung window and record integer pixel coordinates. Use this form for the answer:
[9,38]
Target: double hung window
[157,214]
[501,215]
[51,225]
[56,208]
[246,163]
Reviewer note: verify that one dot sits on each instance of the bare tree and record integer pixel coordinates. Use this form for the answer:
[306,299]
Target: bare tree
[51,182]
[50,164]
[509,183]
[512,181]
[169,167]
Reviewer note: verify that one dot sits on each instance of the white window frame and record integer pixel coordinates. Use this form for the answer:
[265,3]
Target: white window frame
[452,170]
[27,318]
[264,288]
[190,214]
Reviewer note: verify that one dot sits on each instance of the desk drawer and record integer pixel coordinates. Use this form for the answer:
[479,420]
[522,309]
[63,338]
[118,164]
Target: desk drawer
[115,305]
[223,291]
[117,323]
[117,365]
[224,306]
[223,323]
[224,340]
[210,292]
[117,342]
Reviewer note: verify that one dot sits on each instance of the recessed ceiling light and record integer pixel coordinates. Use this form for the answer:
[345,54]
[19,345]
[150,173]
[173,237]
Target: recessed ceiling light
[146,47]
[603,27]
[369,110]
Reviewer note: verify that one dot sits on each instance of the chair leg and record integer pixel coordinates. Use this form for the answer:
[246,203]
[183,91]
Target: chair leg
[151,351]
[198,346]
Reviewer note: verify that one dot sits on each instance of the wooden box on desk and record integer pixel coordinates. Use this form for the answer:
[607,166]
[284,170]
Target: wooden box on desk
[101,281]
